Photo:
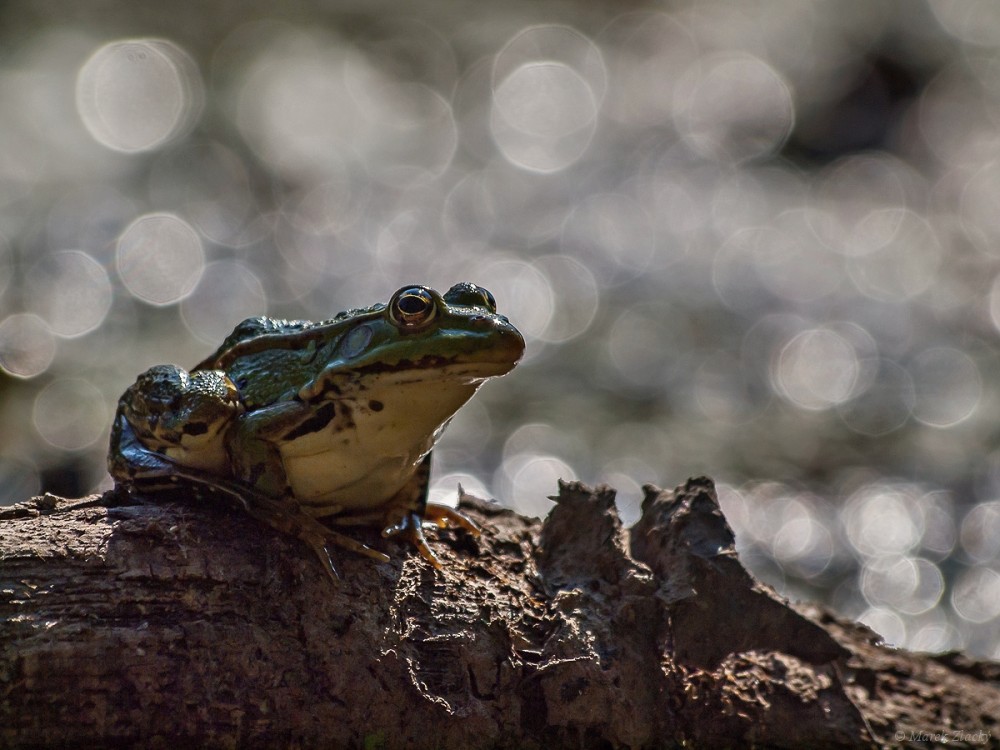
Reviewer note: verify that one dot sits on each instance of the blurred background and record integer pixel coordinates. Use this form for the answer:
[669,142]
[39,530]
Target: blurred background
[754,240]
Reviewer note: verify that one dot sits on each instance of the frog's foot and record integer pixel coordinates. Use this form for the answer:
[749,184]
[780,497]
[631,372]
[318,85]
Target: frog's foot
[410,527]
[319,537]
[294,521]
[287,516]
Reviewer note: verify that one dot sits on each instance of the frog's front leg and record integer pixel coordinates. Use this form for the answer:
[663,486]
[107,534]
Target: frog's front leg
[257,463]
[254,452]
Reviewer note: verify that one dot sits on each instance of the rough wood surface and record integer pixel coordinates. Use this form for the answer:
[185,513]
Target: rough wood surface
[179,625]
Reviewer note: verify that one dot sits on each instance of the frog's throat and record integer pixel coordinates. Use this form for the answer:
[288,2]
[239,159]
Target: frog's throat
[374,441]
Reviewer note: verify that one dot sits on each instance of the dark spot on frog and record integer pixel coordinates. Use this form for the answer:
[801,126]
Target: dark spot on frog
[328,387]
[242,383]
[320,419]
[347,414]
[375,405]
[195,428]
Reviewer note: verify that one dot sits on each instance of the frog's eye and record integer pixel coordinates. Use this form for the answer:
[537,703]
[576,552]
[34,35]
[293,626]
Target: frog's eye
[412,308]
[470,295]
[491,302]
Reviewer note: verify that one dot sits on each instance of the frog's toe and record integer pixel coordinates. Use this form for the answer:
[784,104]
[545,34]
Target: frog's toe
[410,529]
[444,515]
[324,558]
[415,536]
[355,546]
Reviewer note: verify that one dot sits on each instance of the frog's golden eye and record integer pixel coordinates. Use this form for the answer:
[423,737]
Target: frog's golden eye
[412,308]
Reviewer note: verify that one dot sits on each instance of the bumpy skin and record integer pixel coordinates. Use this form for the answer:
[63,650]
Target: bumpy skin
[299,420]
[178,415]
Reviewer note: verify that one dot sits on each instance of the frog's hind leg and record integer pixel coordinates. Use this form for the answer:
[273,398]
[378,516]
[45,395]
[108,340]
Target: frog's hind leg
[288,517]
[285,516]
[317,536]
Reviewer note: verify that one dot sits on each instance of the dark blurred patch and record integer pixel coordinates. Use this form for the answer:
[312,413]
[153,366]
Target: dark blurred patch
[66,479]
[866,116]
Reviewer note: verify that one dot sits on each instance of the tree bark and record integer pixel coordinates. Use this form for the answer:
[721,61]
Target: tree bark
[128,624]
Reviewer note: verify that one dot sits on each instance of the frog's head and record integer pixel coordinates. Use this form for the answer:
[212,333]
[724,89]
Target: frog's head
[422,337]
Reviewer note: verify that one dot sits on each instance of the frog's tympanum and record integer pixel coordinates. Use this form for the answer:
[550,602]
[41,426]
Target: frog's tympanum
[300,421]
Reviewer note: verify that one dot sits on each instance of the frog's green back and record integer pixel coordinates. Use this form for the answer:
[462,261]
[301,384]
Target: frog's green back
[249,329]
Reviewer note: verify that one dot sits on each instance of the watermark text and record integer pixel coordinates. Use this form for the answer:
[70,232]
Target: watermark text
[976,737]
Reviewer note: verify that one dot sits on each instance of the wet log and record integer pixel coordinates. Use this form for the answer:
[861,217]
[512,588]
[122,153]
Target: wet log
[140,624]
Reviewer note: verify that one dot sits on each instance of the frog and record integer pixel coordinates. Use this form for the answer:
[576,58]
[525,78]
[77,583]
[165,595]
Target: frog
[309,425]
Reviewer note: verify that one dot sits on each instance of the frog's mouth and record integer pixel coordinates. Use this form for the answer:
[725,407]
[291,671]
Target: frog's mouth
[447,366]
[461,371]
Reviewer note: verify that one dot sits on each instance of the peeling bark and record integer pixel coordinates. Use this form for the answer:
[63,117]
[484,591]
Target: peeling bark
[148,625]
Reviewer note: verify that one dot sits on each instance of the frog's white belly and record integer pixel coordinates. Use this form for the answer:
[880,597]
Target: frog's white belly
[369,451]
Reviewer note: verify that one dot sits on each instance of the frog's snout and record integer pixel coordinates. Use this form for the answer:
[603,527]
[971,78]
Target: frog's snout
[509,339]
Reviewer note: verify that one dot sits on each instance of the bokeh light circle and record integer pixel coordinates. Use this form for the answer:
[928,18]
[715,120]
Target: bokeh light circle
[817,369]
[544,116]
[887,624]
[885,405]
[905,584]
[544,99]
[898,264]
[948,386]
[293,107]
[735,108]
[137,95]
[976,594]
[883,519]
[802,543]
[27,346]
[71,291]
[160,258]
[555,43]
[70,414]
[575,296]
[529,481]
[980,532]
[651,51]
